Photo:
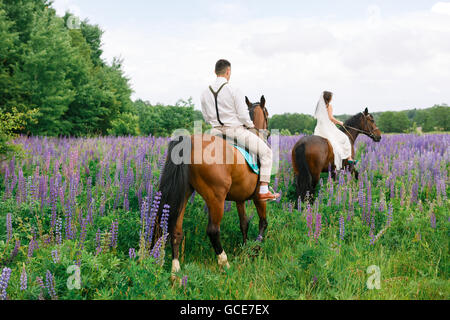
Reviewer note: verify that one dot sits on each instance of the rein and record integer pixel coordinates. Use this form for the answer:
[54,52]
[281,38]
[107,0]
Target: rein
[368,133]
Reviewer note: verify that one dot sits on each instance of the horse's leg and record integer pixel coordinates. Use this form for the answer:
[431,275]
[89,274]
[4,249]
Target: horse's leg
[177,237]
[261,209]
[244,221]
[216,207]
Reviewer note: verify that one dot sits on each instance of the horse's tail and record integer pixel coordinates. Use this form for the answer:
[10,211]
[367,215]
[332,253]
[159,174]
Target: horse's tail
[174,182]
[303,178]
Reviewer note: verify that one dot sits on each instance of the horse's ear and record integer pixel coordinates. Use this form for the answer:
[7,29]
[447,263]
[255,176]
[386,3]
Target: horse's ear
[263,101]
[247,101]
[366,112]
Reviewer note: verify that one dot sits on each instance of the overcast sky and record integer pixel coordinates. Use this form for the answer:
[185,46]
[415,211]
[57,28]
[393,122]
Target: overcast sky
[383,54]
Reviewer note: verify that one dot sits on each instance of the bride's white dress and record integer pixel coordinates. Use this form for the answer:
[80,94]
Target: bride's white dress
[328,130]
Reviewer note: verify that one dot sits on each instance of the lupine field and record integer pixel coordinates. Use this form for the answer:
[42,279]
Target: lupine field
[91,203]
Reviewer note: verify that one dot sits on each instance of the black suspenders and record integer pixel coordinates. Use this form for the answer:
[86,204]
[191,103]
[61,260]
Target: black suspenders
[215,99]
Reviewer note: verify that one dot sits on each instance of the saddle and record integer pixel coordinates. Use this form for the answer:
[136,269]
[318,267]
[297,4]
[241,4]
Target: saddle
[251,158]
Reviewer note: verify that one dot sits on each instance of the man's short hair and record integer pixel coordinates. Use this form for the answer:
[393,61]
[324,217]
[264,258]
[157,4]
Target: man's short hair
[222,66]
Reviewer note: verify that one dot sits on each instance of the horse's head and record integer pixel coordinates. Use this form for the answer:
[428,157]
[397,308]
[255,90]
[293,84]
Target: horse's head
[369,127]
[259,115]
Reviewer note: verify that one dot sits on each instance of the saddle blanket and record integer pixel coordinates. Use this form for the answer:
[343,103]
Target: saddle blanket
[250,158]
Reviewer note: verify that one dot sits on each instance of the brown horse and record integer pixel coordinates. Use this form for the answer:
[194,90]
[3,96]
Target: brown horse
[207,171]
[312,155]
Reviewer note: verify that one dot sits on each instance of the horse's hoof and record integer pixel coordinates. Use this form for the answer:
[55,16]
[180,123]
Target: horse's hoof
[223,260]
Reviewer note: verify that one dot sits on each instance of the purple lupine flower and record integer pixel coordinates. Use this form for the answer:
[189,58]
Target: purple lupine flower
[58,229]
[318,226]
[309,220]
[159,246]
[126,203]
[55,256]
[78,258]
[53,200]
[372,237]
[392,191]
[23,279]
[132,253]
[152,217]
[414,192]
[50,285]
[15,251]
[361,196]
[184,281]
[114,233]
[40,283]
[165,218]
[389,214]
[31,247]
[21,192]
[4,281]
[69,230]
[381,205]
[331,191]
[9,229]
[341,228]
[433,220]
[144,210]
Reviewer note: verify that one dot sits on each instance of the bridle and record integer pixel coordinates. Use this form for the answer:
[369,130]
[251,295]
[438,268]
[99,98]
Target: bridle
[368,133]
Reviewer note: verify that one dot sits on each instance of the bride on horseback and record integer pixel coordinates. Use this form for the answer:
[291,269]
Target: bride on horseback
[326,128]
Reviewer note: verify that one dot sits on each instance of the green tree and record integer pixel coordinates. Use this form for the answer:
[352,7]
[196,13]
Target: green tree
[45,65]
[394,122]
[126,124]
[11,122]
[294,122]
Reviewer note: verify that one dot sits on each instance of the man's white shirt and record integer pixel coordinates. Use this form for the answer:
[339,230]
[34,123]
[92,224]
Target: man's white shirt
[233,111]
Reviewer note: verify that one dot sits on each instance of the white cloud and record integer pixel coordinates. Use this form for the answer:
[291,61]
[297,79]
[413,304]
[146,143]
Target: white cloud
[381,62]
[441,8]
[63,6]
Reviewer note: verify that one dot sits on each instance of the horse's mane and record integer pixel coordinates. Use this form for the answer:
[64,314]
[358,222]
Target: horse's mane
[352,122]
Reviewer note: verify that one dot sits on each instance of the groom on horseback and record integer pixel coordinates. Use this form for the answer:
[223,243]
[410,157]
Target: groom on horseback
[224,108]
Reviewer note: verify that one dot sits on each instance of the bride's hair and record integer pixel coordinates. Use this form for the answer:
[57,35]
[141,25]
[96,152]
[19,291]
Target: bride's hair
[327,95]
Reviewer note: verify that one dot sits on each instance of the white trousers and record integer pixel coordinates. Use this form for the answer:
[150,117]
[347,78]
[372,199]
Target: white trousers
[253,143]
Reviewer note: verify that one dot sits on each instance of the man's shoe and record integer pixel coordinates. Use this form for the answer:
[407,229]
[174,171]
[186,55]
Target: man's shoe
[269,196]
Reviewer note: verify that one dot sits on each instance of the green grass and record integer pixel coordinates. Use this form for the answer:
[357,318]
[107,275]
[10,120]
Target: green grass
[285,264]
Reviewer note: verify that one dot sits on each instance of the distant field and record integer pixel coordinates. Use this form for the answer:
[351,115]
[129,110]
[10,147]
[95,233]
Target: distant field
[86,202]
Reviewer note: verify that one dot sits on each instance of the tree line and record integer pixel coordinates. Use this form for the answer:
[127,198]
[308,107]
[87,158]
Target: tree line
[436,118]
[54,82]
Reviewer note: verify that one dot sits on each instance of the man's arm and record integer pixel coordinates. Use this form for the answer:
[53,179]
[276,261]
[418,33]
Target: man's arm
[242,109]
